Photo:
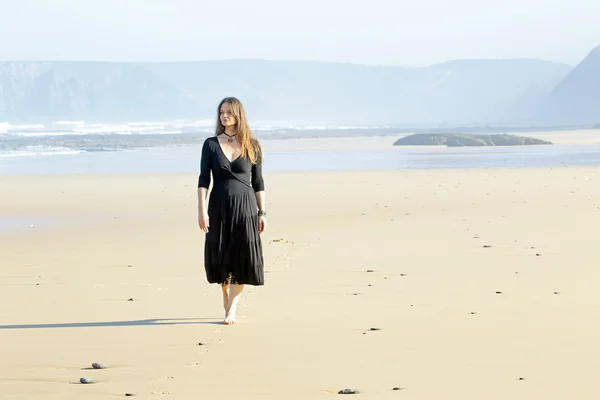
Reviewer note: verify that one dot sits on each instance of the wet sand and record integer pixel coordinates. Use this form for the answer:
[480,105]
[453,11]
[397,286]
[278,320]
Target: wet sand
[483,285]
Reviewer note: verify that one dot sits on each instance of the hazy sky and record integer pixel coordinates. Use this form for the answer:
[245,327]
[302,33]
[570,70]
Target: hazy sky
[387,32]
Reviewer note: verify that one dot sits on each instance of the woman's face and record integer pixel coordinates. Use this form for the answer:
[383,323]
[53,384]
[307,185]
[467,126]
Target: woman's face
[226,116]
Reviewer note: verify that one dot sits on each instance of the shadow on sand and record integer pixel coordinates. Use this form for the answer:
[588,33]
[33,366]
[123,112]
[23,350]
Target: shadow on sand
[140,322]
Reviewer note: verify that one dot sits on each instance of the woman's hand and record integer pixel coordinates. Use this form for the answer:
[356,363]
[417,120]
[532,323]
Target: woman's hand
[262,224]
[203,221]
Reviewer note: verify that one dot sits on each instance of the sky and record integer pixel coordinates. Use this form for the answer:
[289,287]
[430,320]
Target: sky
[371,32]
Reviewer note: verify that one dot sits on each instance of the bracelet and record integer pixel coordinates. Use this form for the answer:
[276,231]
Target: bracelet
[262,213]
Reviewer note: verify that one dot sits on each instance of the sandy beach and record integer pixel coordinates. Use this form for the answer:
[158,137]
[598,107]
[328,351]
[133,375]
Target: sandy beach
[480,284]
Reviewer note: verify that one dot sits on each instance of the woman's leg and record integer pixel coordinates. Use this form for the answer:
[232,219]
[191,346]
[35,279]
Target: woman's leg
[225,288]
[234,296]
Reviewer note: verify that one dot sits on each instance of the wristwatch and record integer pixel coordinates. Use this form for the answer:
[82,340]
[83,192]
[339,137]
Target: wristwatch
[262,213]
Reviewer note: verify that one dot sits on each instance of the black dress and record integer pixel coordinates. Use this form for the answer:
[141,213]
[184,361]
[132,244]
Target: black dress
[233,248]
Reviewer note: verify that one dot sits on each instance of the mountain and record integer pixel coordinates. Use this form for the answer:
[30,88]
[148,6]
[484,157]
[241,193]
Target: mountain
[576,99]
[457,92]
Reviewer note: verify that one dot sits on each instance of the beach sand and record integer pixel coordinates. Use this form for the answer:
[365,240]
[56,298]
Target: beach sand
[484,285]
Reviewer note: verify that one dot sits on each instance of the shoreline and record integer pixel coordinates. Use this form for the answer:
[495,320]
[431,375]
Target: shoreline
[322,154]
[114,142]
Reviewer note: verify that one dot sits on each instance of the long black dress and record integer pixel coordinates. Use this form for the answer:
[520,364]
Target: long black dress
[233,248]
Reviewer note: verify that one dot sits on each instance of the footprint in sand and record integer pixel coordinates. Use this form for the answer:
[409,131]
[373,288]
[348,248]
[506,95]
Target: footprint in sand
[281,240]
[194,364]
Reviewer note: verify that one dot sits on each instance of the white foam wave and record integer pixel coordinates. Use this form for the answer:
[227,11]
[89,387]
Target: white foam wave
[204,123]
[43,133]
[4,127]
[30,151]
[58,128]
[68,123]
[33,126]
[118,129]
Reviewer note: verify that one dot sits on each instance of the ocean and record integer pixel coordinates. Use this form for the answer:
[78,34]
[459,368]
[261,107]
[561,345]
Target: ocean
[77,147]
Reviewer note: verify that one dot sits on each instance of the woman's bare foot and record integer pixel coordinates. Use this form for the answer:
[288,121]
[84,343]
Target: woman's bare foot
[230,317]
[234,297]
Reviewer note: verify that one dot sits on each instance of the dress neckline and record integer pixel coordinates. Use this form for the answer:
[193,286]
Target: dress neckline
[224,155]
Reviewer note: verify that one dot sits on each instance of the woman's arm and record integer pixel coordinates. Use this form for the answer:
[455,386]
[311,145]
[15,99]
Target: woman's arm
[258,184]
[202,194]
[203,185]
[260,200]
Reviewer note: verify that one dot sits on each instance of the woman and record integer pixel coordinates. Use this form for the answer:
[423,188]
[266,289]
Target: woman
[234,216]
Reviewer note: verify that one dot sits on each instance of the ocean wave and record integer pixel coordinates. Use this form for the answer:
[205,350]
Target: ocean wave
[123,129]
[4,127]
[79,123]
[40,134]
[201,126]
[39,151]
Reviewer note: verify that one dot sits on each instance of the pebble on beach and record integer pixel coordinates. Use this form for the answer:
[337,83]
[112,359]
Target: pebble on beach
[348,391]
[87,381]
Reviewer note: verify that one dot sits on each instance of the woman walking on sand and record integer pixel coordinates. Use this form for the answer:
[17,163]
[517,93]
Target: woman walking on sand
[234,215]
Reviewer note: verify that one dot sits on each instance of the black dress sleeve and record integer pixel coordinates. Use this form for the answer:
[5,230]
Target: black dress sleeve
[205,164]
[258,183]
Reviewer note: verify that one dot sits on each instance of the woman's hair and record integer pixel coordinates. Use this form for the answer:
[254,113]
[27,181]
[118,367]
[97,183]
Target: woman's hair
[250,144]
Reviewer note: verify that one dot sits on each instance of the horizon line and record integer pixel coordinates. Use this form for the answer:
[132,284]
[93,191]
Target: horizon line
[268,60]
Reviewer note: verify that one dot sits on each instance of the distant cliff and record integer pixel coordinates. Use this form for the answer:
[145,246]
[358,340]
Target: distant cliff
[462,140]
[576,99]
[459,92]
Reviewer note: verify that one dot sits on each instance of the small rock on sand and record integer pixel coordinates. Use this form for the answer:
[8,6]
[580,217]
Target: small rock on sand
[348,391]
[375,329]
[87,381]
[99,365]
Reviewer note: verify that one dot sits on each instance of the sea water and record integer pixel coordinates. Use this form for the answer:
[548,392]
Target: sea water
[186,159]
[80,147]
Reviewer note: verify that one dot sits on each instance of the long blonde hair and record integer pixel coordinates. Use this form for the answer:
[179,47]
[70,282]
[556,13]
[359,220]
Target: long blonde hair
[250,145]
